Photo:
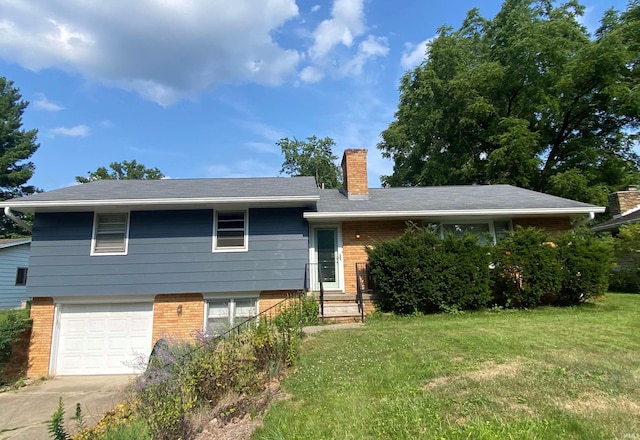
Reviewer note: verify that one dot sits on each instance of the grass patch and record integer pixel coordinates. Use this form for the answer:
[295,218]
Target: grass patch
[544,373]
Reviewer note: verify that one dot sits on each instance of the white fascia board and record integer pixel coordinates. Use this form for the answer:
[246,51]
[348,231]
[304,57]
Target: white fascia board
[105,299]
[32,205]
[451,213]
[15,243]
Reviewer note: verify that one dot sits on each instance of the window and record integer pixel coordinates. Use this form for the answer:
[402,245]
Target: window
[223,314]
[110,234]
[497,229]
[230,231]
[21,276]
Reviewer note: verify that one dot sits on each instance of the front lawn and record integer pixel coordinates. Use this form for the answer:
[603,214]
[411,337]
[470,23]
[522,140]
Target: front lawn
[539,374]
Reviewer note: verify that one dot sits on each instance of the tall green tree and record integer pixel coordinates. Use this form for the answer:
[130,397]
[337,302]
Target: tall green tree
[17,145]
[124,170]
[312,157]
[528,98]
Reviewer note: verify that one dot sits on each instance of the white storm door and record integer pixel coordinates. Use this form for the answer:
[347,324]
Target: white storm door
[103,338]
[327,257]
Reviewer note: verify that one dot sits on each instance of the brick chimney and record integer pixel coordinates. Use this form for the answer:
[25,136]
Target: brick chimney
[622,201]
[354,174]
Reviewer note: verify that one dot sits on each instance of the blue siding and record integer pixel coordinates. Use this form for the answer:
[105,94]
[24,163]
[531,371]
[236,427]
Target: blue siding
[169,252]
[11,258]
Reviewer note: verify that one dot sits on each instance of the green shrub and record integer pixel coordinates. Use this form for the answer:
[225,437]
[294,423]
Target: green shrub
[586,261]
[12,324]
[181,378]
[419,272]
[526,271]
[299,313]
[625,272]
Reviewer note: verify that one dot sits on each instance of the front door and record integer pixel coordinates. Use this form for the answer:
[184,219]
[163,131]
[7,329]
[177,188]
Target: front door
[327,257]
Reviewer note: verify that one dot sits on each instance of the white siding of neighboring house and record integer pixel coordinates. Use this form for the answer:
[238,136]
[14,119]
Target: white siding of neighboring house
[11,258]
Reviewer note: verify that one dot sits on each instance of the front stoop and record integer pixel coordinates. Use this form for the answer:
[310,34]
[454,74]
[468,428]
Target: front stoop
[340,308]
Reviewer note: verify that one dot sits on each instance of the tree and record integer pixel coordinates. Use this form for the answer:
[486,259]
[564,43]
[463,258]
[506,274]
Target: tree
[124,170]
[528,98]
[311,158]
[16,147]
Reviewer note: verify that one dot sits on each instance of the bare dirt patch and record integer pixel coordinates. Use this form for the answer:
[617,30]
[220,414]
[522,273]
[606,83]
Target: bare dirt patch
[491,370]
[488,370]
[236,416]
[595,403]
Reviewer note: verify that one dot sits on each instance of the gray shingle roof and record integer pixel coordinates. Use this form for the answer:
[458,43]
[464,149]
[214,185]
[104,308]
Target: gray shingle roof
[176,190]
[439,199]
[615,223]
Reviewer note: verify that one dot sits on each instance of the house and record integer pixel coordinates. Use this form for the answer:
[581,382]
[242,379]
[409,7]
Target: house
[14,264]
[116,265]
[624,206]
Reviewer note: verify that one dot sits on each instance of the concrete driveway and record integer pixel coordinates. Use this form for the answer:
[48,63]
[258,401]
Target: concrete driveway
[24,413]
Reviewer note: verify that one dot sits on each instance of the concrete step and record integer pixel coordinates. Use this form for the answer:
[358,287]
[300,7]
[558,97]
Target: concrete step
[341,309]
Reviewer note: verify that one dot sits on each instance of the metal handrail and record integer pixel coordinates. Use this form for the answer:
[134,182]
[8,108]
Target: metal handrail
[359,290]
[307,283]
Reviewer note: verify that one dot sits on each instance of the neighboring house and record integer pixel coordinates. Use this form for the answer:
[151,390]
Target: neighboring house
[14,264]
[624,206]
[116,265]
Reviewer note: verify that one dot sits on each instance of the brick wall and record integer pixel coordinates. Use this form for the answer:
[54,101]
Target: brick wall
[623,201]
[42,315]
[269,298]
[356,235]
[169,323]
[550,224]
[354,172]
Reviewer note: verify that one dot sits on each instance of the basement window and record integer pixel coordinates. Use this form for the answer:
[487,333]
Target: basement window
[224,314]
[110,234]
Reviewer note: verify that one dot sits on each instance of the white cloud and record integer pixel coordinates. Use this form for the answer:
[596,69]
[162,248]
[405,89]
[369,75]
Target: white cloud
[42,103]
[414,54]
[311,74]
[346,23]
[163,50]
[315,8]
[75,131]
[370,48]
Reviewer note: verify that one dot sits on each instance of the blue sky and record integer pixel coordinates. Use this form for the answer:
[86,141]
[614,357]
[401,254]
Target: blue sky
[205,88]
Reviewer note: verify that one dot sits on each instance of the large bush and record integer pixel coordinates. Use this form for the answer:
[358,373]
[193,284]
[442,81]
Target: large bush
[625,273]
[585,261]
[12,324]
[526,269]
[419,272]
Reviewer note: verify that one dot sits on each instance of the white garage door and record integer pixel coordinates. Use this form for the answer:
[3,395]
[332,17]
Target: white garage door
[103,338]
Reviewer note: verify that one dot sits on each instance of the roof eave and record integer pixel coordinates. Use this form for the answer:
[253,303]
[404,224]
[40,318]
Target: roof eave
[32,206]
[452,213]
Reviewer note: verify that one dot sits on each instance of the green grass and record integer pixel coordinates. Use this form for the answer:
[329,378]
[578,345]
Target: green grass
[540,374]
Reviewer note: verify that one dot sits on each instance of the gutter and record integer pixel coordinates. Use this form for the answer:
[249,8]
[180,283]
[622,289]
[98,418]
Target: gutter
[586,220]
[18,221]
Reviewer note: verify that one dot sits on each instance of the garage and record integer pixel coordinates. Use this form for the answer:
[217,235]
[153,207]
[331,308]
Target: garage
[102,338]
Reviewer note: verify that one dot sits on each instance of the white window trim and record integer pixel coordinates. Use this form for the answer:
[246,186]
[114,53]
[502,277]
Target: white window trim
[93,235]
[232,310]
[215,247]
[490,223]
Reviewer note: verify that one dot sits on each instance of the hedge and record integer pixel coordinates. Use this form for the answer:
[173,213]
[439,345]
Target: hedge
[420,272]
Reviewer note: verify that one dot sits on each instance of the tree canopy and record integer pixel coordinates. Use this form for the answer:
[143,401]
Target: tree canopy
[529,98]
[312,157]
[16,147]
[124,170]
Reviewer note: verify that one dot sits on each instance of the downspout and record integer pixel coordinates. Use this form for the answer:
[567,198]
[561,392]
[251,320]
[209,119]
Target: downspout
[586,220]
[18,221]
